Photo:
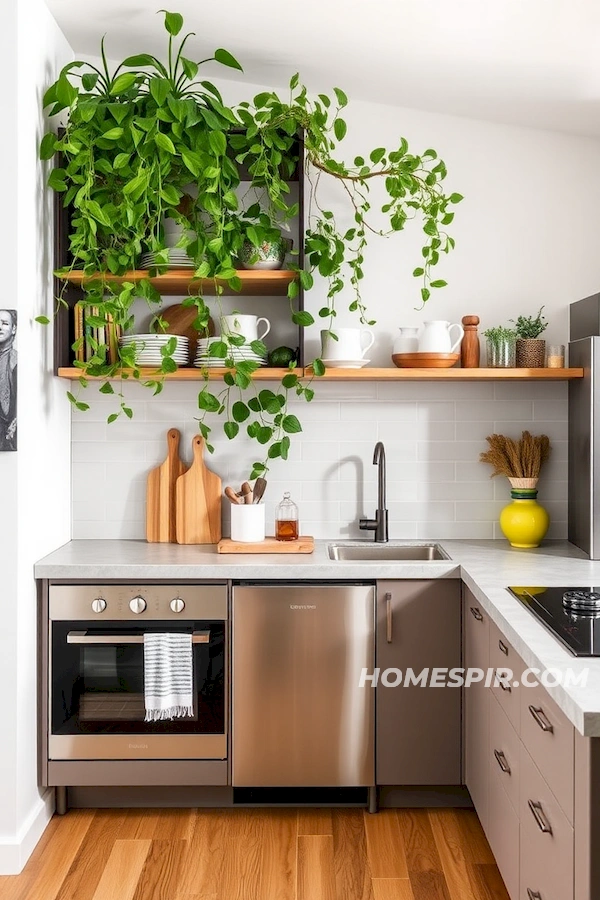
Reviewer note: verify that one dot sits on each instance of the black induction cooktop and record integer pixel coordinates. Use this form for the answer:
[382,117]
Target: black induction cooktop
[572,614]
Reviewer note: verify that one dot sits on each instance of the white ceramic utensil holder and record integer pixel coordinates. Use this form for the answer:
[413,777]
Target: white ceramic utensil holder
[248,523]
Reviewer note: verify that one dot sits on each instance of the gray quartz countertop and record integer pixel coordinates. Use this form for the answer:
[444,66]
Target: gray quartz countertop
[486,567]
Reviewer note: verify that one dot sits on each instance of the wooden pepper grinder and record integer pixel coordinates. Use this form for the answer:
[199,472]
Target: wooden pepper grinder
[469,347]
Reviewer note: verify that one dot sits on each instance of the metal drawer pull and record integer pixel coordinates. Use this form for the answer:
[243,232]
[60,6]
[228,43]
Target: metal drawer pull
[82,637]
[533,895]
[540,817]
[502,762]
[503,647]
[502,684]
[476,614]
[388,617]
[541,718]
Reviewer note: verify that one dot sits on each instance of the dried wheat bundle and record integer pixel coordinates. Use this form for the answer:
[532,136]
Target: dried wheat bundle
[521,460]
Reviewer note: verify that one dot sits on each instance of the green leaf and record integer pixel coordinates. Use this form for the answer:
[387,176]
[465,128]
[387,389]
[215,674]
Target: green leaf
[240,411]
[164,142]
[318,367]
[140,59]
[418,272]
[456,198]
[65,92]
[226,59]
[208,401]
[294,81]
[160,88]
[43,320]
[438,283]
[291,425]
[113,134]
[121,160]
[339,129]
[218,349]
[264,434]
[48,146]
[192,161]
[106,388]
[274,450]
[289,381]
[218,142]
[173,22]
[190,68]
[231,429]
[341,97]
[89,81]
[303,318]
[377,155]
[122,83]
[56,180]
[306,279]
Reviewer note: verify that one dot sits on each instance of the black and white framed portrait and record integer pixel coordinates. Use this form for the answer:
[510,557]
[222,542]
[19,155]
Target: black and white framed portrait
[8,379]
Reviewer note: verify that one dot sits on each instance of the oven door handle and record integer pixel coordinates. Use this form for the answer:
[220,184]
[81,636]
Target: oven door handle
[83,637]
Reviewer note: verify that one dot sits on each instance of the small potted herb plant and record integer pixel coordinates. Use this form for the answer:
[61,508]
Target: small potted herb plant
[531,350]
[500,347]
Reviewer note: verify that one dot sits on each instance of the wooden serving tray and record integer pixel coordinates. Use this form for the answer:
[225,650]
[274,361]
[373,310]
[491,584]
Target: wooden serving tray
[304,544]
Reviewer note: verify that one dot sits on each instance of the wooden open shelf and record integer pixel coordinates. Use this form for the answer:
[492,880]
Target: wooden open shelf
[255,283]
[266,374]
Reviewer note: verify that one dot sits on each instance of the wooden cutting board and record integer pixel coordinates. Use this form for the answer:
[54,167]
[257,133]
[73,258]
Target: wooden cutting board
[304,544]
[180,320]
[160,493]
[198,502]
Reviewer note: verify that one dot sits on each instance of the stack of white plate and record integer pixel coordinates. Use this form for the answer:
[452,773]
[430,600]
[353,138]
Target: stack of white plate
[238,354]
[148,347]
[177,259]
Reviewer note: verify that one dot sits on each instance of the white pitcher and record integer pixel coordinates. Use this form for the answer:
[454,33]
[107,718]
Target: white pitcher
[436,337]
[247,326]
[351,344]
[407,341]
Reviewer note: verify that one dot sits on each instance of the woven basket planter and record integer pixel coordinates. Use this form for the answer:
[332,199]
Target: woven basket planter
[531,353]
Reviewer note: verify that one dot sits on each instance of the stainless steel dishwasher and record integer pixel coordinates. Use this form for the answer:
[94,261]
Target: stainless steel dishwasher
[300,717]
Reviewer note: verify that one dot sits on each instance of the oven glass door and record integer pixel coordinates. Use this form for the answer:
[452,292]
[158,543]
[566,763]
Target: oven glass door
[97,679]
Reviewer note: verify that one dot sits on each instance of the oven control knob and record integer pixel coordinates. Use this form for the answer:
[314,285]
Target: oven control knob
[137,605]
[98,605]
[177,605]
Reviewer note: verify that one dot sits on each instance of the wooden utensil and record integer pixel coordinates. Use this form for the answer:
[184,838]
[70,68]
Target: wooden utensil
[180,320]
[259,488]
[231,495]
[160,493]
[246,492]
[469,347]
[198,494]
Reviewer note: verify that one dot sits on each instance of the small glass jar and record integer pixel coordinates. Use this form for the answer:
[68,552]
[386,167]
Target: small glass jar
[501,352]
[286,520]
[555,358]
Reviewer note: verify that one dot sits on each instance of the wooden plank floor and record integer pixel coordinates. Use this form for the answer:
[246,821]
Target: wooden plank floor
[265,854]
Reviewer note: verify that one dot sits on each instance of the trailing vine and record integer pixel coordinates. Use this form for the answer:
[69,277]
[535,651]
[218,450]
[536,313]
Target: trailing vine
[153,141]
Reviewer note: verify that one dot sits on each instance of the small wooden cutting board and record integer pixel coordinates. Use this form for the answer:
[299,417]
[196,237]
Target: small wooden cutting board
[198,501]
[160,493]
[304,544]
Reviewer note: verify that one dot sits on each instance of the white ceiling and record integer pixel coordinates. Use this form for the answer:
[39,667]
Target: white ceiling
[528,62]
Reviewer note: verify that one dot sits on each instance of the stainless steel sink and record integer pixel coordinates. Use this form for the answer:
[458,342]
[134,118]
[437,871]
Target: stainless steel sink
[364,552]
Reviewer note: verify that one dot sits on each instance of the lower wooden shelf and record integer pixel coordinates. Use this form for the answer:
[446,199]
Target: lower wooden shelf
[366,374]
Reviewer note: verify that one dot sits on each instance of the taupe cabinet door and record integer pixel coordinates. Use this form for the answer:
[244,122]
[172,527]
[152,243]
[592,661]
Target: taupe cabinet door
[418,728]
[476,627]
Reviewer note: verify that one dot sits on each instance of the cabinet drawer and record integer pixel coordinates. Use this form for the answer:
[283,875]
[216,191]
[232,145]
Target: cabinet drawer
[546,839]
[503,831]
[550,739]
[503,656]
[504,752]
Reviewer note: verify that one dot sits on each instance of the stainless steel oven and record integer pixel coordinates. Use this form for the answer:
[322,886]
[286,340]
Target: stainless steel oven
[96,671]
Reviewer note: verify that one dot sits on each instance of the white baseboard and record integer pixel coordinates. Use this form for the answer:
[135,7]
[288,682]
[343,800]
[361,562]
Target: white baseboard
[15,852]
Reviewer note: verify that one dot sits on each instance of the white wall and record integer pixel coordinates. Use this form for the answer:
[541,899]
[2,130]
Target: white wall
[526,236]
[36,477]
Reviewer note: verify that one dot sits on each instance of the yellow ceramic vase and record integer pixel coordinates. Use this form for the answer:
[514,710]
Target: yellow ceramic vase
[524,522]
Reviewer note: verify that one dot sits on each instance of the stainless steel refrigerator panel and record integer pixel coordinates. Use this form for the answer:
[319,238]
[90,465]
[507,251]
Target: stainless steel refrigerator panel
[584,318]
[584,447]
[299,715]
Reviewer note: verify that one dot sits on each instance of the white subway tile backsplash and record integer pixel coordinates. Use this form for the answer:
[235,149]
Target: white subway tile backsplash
[433,435]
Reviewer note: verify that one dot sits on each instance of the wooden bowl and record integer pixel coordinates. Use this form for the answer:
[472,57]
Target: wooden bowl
[425,360]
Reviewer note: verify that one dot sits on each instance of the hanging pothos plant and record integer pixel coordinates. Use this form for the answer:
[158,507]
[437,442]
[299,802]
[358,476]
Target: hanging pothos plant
[136,139]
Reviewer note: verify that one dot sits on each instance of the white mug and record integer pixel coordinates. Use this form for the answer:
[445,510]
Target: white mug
[436,337]
[248,522]
[407,341]
[246,326]
[351,344]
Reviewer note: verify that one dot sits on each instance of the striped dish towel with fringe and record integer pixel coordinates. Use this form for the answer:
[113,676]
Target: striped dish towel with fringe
[168,680]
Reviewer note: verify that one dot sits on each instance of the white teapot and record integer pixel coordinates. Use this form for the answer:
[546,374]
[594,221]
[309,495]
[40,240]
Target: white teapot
[436,337]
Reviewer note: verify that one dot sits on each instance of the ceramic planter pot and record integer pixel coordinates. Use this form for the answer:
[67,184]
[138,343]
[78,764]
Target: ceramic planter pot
[268,255]
[531,353]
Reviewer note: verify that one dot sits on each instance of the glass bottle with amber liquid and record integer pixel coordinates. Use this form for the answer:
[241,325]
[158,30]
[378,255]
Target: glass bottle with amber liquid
[286,520]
